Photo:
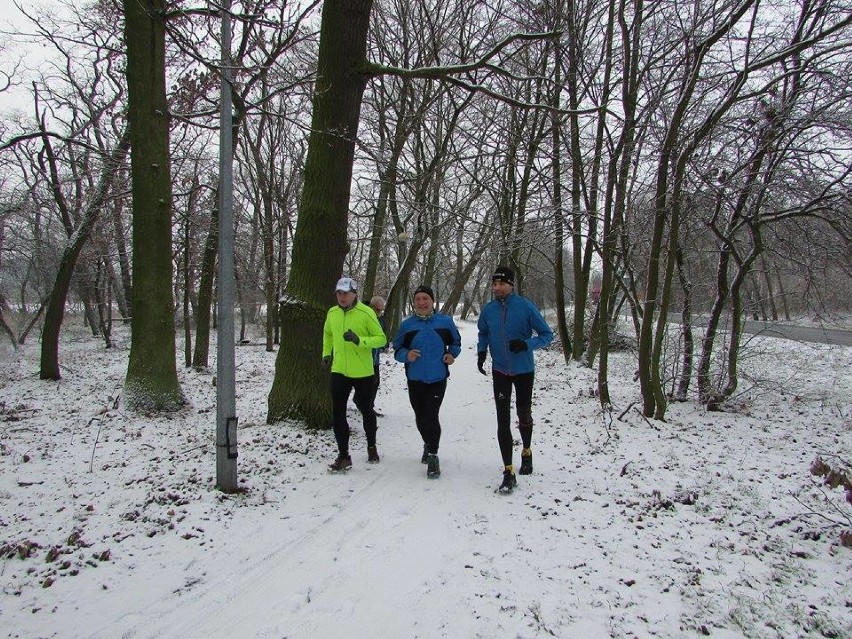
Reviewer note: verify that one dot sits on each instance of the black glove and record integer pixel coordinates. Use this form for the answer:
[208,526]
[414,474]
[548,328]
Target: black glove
[327,361]
[351,336]
[480,362]
[517,345]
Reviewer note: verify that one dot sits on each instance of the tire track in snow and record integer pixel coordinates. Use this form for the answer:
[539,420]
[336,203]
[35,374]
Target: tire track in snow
[226,595]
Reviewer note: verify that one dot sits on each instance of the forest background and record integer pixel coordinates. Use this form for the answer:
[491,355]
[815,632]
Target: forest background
[630,160]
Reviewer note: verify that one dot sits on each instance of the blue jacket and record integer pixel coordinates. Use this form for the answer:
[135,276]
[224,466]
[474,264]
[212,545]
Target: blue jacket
[501,321]
[433,336]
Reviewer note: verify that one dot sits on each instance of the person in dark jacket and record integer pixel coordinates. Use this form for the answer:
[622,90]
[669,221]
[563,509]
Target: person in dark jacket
[428,343]
[511,328]
[377,303]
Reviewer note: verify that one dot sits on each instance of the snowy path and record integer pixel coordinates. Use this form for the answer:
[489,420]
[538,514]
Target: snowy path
[388,539]
[628,528]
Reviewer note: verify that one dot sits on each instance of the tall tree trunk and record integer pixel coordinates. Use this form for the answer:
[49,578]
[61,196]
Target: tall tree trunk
[661,331]
[103,298]
[299,390]
[187,287]
[83,287]
[187,270]
[123,263]
[269,264]
[55,310]
[737,283]
[151,383]
[770,291]
[616,190]
[782,293]
[3,304]
[685,377]
[200,356]
[578,216]
[556,171]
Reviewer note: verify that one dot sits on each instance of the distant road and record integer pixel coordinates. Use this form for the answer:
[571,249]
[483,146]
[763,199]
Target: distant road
[814,334]
[800,333]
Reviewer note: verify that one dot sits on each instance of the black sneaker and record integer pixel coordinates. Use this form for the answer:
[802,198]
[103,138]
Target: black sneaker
[425,458]
[372,454]
[526,464]
[509,482]
[343,462]
[433,468]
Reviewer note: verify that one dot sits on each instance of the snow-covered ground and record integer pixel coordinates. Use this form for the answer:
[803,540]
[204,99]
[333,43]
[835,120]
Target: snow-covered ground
[706,524]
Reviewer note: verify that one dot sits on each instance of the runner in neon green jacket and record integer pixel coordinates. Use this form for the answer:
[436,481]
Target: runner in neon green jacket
[348,358]
[350,334]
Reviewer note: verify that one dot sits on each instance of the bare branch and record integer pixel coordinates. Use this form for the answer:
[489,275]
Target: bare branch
[483,62]
[449,74]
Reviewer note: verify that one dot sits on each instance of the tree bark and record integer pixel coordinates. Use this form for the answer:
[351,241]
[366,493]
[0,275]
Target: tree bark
[556,172]
[299,389]
[201,353]
[151,383]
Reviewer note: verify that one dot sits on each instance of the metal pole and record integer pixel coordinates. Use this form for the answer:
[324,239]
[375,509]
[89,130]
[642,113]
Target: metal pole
[226,408]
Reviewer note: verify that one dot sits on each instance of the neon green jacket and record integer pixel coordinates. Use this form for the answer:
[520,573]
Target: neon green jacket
[351,360]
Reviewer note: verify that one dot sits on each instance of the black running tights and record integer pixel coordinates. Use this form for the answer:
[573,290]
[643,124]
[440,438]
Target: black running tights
[341,386]
[426,400]
[523,385]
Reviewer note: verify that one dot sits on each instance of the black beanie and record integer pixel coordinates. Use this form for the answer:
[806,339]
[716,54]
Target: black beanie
[505,274]
[424,289]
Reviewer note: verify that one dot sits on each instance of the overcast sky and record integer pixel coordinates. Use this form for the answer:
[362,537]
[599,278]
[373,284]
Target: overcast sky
[10,13]
[11,52]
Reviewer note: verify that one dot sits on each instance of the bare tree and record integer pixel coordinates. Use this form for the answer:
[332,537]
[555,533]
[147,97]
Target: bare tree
[56,302]
[151,383]
[323,213]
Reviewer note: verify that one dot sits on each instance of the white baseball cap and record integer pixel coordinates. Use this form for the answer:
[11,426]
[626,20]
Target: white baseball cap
[346,284]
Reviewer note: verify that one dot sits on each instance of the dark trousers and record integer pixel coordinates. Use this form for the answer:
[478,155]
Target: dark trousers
[377,380]
[341,386]
[523,385]
[426,400]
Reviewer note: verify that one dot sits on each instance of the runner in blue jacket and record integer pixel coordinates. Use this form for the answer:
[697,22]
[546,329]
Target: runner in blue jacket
[428,343]
[511,328]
